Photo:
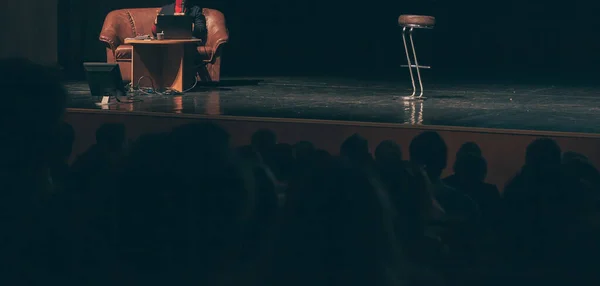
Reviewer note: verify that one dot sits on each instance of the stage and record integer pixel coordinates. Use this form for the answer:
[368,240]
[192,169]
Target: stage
[503,118]
[517,106]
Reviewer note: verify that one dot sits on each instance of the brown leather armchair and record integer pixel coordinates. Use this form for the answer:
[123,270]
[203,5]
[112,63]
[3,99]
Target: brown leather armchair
[129,23]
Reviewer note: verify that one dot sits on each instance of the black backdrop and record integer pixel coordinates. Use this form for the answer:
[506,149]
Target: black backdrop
[270,37]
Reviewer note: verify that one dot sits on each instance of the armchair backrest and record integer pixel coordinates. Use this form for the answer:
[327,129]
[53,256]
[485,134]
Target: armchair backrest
[217,33]
[128,23]
[142,20]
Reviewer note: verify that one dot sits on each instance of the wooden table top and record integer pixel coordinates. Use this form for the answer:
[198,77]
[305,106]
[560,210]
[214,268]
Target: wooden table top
[160,42]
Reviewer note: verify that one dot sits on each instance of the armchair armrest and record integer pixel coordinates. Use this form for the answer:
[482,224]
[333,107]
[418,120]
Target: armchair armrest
[217,33]
[110,29]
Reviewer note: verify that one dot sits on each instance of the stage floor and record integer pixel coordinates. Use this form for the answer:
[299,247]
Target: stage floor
[541,107]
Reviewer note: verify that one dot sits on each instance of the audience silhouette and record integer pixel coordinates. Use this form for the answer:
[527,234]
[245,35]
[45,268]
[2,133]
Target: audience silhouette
[185,208]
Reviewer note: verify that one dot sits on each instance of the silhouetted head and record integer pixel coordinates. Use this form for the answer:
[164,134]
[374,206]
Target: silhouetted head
[35,102]
[469,148]
[111,136]
[34,94]
[471,167]
[356,149]
[429,151]
[543,153]
[469,163]
[388,151]
[264,141]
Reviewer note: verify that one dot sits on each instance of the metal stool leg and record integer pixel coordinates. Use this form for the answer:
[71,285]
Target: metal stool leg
[411,66]
[412,44]
[412,78]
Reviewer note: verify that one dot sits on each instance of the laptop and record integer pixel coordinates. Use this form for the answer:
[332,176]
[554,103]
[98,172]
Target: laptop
[175,27]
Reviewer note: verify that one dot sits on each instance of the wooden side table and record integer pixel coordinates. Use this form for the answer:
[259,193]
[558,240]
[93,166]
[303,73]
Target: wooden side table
[163,64]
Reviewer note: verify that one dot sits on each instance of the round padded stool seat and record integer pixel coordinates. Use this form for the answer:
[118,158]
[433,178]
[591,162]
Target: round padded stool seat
[416,21]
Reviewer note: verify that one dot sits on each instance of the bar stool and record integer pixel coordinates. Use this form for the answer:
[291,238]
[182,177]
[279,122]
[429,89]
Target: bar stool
[408,24]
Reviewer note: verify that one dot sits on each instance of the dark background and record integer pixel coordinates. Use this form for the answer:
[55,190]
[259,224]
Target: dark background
[362,38]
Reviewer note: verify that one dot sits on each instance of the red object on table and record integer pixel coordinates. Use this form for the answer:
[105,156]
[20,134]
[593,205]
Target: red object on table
[178,6]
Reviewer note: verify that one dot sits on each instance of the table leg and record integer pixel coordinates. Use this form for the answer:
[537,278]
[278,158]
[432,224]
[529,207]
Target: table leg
[146,61]
[178,67]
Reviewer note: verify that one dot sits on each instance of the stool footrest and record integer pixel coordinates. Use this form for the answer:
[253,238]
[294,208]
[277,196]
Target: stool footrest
[414,66]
